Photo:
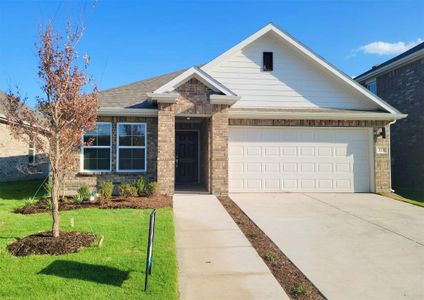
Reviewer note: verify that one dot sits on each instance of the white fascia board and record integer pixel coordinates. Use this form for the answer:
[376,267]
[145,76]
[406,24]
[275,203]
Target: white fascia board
[164,97]
[237,114]
[223,99]
[393,65]
[303,49]
[133,112]
[198,74]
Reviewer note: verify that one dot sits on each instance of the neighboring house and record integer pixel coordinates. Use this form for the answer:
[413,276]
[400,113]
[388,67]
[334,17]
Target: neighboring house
[18,160]
[400,82]
[268,115]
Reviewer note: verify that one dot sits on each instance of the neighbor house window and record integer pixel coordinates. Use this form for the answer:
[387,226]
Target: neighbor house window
[31,154]
[267,61]
[131,147]
[96,149]
[372,86]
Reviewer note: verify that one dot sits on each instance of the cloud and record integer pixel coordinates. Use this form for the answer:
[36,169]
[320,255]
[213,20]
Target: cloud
[385,48]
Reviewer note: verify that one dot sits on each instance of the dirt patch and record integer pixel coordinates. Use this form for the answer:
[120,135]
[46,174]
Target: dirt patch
[45,243]
[153,201]
[291,279]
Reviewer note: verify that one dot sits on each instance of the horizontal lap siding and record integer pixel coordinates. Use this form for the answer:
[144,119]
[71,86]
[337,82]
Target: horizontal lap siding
[295,81]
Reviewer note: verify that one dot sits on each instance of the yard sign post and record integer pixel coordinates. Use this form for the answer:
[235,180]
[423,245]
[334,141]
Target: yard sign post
[149,260]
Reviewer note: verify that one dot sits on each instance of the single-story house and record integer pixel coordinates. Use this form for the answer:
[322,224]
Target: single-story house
[268,115]
[18,160]
[400,82]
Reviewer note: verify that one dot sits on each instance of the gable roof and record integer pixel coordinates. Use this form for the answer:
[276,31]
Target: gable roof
[321,62]
[395,61]
[199,74]
[134,95]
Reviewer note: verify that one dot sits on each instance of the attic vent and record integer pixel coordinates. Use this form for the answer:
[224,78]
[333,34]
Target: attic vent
[268,61]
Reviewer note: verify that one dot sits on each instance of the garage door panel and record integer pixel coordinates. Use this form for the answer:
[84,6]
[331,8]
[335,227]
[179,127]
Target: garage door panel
[296,159]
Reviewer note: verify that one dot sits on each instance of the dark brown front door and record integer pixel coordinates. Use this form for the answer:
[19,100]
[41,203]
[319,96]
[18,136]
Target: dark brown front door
[186,157]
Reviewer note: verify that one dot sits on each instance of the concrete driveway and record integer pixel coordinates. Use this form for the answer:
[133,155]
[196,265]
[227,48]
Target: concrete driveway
[351,246]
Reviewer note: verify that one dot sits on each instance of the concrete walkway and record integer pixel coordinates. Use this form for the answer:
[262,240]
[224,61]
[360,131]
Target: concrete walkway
[351,246]
[215,260]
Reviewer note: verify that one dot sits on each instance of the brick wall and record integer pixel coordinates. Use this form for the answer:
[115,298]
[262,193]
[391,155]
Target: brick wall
[75,178]
[14,159]
[404,89]
[381,161]
[219,150]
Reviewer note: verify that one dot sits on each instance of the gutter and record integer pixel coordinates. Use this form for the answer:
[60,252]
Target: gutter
[390,66]
[133,112]
[238,114]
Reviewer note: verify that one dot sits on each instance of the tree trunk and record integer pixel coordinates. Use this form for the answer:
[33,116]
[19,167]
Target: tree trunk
[56,190]
[55,204]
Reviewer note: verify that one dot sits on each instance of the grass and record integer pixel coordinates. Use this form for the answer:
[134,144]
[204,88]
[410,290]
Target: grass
[114,271]
[411,198]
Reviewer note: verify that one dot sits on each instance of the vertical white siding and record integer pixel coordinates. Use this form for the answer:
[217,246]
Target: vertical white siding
[295,82]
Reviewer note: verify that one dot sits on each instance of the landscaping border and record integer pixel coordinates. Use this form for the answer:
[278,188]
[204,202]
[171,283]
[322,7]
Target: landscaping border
[292,280]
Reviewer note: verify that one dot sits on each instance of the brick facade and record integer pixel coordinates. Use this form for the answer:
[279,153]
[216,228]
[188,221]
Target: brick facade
[404,89]
[381,161]
[75,178]
[212,121]
[166,149]
[14,163]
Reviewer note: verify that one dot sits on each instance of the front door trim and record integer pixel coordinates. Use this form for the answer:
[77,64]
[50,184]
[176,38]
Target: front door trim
[198,150]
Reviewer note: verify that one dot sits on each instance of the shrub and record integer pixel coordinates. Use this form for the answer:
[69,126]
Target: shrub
[144,186]
[78,198]
[127,190]
[298,291]
[29,201]
[106,190]
[84,192]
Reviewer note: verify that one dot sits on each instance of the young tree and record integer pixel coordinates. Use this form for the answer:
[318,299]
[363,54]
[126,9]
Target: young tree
[63,114]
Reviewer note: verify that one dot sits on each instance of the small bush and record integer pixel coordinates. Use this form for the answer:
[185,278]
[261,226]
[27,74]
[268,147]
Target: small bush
[29,201]
[84,192]
[298,291]
[270,257]
[78,198]
[144,186]
[106,190]
[127,190]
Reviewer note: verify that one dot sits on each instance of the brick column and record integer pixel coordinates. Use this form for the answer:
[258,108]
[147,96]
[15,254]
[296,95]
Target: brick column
[166,149]
[219,150]
[382,161]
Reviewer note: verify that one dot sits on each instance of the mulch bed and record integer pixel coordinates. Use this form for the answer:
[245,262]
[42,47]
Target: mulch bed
[45,243]
[153,201]
[291,279]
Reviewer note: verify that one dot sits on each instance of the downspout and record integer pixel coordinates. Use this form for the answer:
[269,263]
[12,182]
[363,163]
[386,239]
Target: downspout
[390,153]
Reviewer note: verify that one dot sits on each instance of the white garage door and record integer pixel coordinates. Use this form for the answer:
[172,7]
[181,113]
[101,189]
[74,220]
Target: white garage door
[272,159]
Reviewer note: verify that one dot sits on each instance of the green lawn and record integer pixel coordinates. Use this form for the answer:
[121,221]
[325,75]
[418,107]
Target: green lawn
[409,197]
[114,271]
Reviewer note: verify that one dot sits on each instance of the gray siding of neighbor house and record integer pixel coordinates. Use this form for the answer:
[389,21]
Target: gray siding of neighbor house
[404,89]
[14,159]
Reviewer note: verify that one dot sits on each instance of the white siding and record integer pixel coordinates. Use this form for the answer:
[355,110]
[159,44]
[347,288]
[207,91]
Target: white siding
[295,82]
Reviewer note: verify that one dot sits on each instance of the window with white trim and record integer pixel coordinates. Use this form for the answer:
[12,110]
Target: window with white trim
[97,148]
[131,147]
[372,86]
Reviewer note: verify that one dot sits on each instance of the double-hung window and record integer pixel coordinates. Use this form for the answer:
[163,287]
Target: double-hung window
[96,149]
[131,147]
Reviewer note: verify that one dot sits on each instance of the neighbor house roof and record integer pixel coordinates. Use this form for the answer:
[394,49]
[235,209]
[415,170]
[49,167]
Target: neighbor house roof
[134,95]
[402,58]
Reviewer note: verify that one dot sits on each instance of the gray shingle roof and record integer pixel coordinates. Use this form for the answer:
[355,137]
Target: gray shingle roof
[133,95]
